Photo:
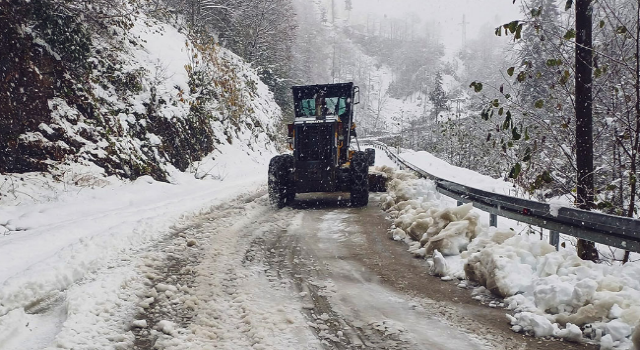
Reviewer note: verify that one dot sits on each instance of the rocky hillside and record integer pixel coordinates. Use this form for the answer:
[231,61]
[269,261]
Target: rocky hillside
[120,85]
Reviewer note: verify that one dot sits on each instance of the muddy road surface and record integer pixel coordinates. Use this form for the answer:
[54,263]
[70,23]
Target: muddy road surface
[317,275]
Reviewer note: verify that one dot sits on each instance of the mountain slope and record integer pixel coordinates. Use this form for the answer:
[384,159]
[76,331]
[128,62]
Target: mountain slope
[124,89]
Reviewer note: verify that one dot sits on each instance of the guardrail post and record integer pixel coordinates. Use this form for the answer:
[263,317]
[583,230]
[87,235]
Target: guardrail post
[493,220]
[554,239]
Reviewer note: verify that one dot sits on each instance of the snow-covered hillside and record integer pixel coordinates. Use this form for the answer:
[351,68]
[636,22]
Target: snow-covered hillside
[150,96]
[188,122]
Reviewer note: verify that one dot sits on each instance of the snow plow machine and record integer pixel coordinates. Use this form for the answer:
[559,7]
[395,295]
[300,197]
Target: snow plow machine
[321,140]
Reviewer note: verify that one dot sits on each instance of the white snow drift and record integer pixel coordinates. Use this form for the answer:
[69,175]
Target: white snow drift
[552,293]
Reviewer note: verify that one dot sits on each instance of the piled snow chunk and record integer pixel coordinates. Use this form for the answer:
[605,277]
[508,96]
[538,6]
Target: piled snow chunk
[507,268]
[398,234]
[570,333]
[618,330]
[414,203]
[538,324]
[553,293]
[635,338]
[607,343]
[456,235]
[417,250]
[404,185]
[439,267]
[567,291]
[166,327]
[542,326]
[139,324]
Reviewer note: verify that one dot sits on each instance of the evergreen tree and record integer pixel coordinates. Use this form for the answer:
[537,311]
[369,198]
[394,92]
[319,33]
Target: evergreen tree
[438,96]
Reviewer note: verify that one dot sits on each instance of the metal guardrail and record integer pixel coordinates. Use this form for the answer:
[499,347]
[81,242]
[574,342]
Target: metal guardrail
[615,231]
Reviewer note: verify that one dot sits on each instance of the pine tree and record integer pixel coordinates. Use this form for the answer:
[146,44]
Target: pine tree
[438,96]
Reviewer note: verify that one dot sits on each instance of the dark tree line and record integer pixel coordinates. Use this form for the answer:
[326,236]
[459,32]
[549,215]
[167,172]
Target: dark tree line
[262,32]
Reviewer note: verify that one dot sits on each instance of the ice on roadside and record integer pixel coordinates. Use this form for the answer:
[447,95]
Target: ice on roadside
[439,267]
[415,206]
[552,293]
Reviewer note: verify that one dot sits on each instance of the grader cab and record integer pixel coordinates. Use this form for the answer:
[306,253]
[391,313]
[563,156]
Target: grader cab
[321,139]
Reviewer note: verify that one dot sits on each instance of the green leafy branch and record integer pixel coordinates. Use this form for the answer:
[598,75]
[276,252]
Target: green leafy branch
[507,125]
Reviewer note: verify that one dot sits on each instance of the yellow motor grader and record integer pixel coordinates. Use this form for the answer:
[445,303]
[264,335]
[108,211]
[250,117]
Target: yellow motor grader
[321,139]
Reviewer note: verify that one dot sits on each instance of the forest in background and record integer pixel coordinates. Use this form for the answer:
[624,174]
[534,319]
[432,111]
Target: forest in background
[520,125]
[505,104]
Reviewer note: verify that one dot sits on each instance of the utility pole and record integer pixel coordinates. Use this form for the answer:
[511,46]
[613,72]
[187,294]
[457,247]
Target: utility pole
[464,30]
[333,60]
[333,23]
[584,118]
[333,12]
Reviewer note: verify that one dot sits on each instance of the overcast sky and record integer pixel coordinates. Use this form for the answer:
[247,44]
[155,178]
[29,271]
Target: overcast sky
[446,13]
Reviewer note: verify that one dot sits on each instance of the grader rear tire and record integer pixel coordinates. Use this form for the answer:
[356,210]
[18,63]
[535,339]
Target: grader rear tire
[371,156]
[359,179]
[280,184]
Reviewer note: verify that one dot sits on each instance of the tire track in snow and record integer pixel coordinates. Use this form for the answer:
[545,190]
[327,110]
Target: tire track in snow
[216,295]
[307,277]
[344,303]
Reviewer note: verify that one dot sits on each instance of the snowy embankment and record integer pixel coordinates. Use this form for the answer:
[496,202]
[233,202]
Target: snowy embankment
[438,167]
[61,245]
[70,237]
[551,293]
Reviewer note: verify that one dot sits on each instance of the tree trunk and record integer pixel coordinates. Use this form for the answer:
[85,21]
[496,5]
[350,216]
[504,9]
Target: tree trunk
[633,177]
[584,128]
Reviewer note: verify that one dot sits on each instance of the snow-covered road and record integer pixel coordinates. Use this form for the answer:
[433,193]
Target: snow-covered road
[346,304]
[319,275]
[233,274]
[289,279]
[71,277]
